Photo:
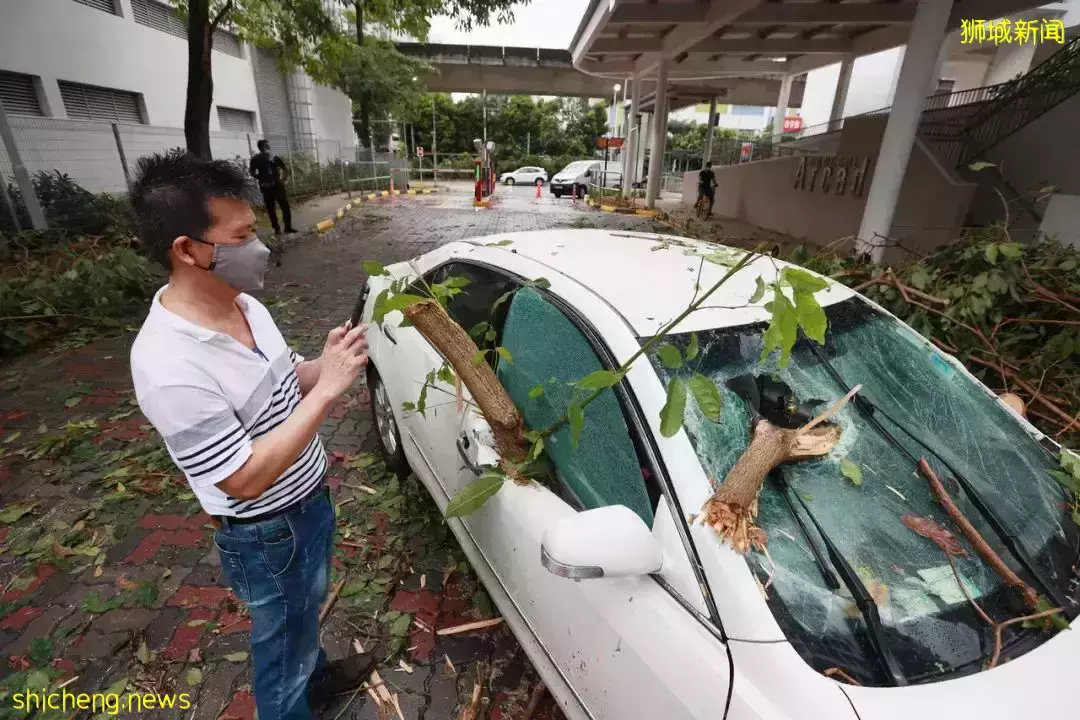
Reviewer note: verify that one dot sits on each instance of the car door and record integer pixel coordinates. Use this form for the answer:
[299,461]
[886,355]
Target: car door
[626,646]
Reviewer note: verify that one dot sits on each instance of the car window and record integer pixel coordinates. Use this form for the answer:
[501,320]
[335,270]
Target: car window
[549,352]
[473,305]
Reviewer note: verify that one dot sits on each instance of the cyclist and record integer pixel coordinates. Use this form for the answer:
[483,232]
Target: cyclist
[707,185]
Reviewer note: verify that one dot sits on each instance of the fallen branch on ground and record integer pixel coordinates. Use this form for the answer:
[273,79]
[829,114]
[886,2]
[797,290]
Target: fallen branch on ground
[478,625]
[331,600]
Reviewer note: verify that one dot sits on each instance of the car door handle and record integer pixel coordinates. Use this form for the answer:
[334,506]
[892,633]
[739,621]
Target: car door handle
[463,451]
[389,333]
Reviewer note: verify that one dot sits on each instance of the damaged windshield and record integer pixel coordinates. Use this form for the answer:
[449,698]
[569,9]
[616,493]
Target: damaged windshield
[926,624]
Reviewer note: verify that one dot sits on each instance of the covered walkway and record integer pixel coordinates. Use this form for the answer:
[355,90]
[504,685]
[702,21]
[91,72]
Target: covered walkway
[663,49]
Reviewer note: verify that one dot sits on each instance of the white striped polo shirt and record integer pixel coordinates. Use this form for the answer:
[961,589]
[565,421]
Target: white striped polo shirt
[209,397]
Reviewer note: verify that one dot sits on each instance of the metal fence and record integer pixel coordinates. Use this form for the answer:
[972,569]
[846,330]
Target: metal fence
[68,160]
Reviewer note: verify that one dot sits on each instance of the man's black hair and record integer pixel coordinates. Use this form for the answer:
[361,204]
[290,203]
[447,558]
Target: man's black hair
[263,144]
[171,194]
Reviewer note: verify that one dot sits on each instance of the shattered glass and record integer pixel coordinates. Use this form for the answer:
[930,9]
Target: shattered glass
[928,625]
[549,352]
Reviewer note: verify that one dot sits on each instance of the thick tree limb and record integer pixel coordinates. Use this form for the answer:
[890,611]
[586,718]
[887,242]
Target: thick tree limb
[449,338]
[221,15]
[969,531]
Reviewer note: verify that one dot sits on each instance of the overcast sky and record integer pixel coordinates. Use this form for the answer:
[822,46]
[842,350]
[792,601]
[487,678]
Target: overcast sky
[541,23]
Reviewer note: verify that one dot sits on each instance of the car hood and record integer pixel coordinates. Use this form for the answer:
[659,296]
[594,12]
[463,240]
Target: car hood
[1033,685]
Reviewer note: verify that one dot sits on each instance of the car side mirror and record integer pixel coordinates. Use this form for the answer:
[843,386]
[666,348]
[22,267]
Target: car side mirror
[611,541]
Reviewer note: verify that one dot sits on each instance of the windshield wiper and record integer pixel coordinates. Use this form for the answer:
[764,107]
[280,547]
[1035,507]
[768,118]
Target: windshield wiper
[864,601]
[1009,540]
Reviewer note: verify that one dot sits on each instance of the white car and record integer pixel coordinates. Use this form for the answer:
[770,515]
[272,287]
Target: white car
[528,175]
[630,610]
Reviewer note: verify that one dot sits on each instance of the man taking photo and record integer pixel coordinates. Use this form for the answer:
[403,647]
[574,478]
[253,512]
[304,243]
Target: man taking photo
[239,412]
[272,173]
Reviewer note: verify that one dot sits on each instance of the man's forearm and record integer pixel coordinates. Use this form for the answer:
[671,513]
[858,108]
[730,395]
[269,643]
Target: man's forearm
[274,452]
[308,373]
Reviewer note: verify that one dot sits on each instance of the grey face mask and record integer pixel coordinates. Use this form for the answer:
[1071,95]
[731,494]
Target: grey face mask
[242,266]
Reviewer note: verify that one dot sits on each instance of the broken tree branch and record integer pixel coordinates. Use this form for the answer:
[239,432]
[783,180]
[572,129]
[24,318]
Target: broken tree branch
[449,338]
[1001,626]
[969,531]
[331,600]
[478,625]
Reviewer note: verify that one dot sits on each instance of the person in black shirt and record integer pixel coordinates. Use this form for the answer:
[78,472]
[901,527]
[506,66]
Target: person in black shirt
[271,172]
[707,185]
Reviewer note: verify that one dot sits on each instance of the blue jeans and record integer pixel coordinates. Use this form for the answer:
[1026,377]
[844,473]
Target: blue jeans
[280,567]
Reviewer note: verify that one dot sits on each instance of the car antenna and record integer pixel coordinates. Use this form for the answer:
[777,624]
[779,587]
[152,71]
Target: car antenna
[1011,542]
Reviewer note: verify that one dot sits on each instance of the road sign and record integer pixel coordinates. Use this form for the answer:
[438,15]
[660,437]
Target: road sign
[609,142]
[419,151]
[746,152]
[792,124]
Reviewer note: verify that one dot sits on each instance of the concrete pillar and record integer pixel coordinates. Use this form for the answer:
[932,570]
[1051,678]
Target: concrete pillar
[1009,61]
[840,96]
[644,141]
[916,75]
[630,150]
[781,107]
[659,136]
[710,132]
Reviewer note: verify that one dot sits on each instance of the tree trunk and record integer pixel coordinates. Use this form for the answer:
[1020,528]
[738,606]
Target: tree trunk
[200,84]
[732,508]
[490,396]
[364,128]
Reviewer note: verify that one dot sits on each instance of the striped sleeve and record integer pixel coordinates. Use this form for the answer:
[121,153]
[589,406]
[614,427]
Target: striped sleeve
[201,431]
[295,357]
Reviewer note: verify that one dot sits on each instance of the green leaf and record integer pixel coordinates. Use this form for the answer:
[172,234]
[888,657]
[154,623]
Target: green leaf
[193,677]
[505,354]
[670,356]
[802,281]
[470,498]
[981,165]
[143,654]
[446,375]
[599,380]
[235,657]
[408,406]
[379,310]
[537,448]
[1070,462]
[536,392]
[72,401]
[811,317]
[692,348]
[1011,250]
[671,415]
[478,357]
[12,513]
[576,415]
[374,267]
[479,329]
[783,327]
[721,258]
[501,243]
[759,291]
[707,396]
[542,283]
[991,253]
[421,402]
[851,471]
[455,281]
[402,301]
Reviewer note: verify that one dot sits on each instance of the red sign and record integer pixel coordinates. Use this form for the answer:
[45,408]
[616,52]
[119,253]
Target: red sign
[419,151]
[792,124]
[609,142]
[746,152]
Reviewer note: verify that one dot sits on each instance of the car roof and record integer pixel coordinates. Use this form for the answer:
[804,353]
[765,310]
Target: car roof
[649,278]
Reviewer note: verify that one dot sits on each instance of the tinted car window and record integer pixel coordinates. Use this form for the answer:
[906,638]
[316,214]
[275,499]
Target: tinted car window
[473,305]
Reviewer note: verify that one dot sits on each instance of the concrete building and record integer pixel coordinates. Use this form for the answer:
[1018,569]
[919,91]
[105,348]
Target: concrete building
[71,69]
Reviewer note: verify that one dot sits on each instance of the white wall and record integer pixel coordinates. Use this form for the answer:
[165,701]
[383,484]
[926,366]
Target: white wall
[965,75]
[333,116]
[873,81]
[65,40]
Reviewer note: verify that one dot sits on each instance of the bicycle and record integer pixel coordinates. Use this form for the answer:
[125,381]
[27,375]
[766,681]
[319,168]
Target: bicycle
[701,207]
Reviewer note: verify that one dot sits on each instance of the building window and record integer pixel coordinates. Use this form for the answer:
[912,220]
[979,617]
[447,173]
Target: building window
[236,120]
[88,102]
[163,17]
[944,86]
[19,95]
[107,5]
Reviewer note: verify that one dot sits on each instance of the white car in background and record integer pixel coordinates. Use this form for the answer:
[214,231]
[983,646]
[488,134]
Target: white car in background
[528,175]
[664,621]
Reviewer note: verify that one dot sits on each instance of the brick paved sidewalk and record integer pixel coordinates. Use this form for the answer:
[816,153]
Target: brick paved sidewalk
[108,572]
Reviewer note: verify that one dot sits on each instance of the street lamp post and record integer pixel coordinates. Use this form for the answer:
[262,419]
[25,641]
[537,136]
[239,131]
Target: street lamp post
[615,109]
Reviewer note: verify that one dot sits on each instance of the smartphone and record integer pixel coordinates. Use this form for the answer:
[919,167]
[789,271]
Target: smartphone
[358,311]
